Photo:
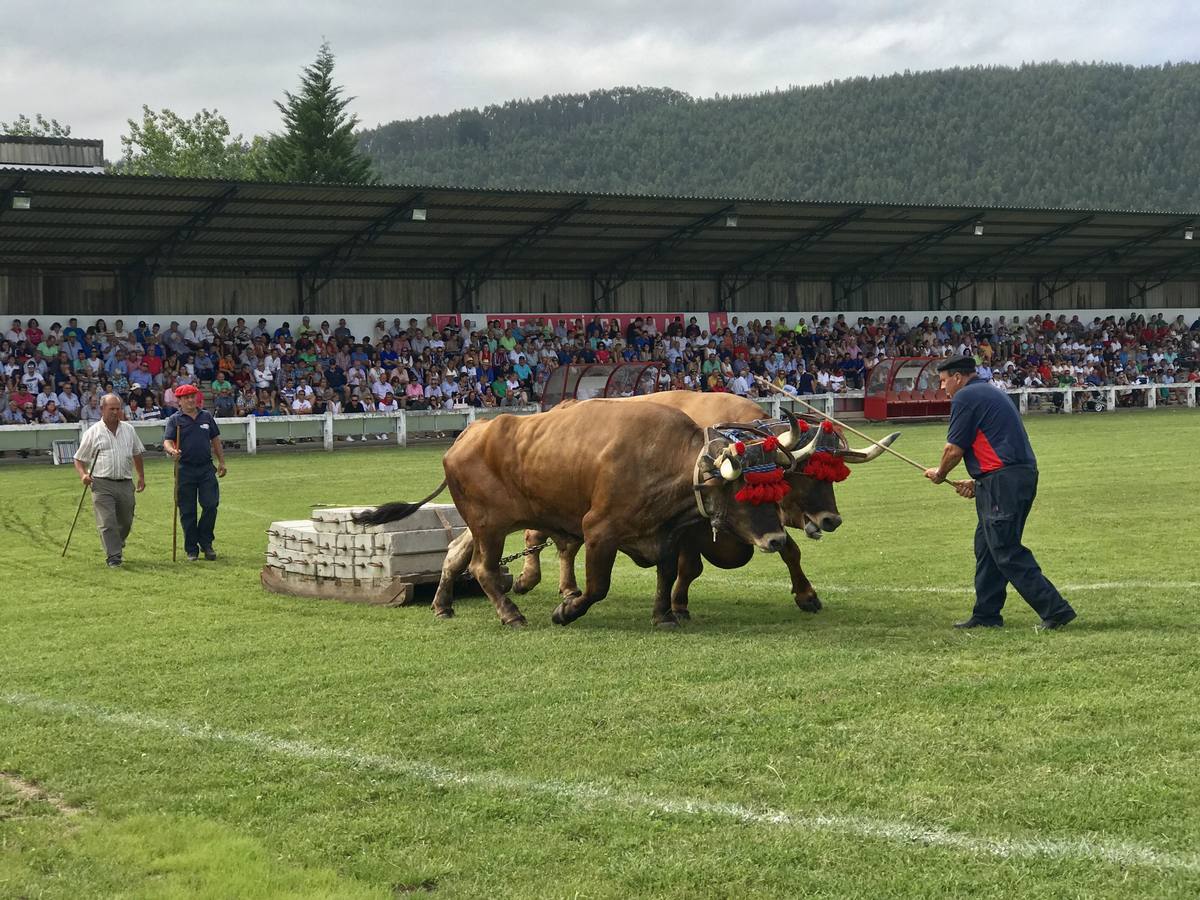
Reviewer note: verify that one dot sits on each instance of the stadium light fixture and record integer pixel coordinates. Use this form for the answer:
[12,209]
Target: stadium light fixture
[731,220]
[979,228]
[21,200]
[418,214]
[1189,232]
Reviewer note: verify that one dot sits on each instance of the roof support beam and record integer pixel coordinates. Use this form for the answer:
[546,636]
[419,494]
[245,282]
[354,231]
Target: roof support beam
[137,274]
[321,270]
[609,277]
[766,262]
[985,267]
[470,277]
[1067,274]
[1148,279]
[852,280]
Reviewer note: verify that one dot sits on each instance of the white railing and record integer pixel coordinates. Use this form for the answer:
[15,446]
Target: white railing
[1103,398]
[399,427]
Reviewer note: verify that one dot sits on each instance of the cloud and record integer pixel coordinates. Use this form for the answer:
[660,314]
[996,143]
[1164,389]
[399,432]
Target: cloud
[94,67]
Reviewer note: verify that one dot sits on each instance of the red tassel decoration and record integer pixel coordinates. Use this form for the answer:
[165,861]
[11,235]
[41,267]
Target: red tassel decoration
[740,448]
[770,444]
[803,426]
[827,467]
[827,426]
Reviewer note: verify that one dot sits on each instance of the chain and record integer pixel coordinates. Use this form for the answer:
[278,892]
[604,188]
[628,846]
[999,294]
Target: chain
[505,560]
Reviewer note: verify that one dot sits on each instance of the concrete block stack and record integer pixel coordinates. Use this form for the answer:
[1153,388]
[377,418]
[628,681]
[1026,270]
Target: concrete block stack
[331,545]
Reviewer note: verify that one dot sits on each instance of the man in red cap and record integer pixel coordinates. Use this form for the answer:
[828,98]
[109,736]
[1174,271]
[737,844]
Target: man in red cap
[193,438]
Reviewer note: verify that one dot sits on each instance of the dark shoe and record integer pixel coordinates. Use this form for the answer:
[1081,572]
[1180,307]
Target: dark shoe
[210,554]
[978,623]
[192,557]
[1053,624]
[114,563]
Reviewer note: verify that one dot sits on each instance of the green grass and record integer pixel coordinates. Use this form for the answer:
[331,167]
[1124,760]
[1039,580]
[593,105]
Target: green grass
[158,698]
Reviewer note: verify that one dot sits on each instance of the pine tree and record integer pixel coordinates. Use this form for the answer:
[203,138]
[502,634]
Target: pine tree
[318,144]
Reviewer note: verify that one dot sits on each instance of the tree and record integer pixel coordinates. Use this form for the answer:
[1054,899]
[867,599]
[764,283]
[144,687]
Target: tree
[164,143]
[22,126]
[318,144]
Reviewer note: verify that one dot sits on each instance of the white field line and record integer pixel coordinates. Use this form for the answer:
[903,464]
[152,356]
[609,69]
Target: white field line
[967,588]
[898,832]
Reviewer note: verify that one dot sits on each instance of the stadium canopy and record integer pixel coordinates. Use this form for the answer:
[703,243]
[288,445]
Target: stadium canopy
[58,222]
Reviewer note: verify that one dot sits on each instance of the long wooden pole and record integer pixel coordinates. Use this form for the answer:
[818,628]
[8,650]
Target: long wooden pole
[820,412]
[79,508]
[175,516]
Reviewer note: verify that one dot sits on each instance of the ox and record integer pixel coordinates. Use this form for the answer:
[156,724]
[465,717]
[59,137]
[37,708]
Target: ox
[810,505]
[613,475]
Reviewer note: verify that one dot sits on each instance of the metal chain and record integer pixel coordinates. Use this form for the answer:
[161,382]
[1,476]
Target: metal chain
[505,560]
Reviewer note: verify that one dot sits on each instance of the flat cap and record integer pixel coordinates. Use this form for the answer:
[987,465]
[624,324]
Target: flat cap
[964,364]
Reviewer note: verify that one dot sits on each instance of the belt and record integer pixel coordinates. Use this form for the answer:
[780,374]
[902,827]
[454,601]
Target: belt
[102,478]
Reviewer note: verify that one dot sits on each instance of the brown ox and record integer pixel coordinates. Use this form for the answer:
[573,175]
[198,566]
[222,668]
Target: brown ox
[614,475]
[810,505]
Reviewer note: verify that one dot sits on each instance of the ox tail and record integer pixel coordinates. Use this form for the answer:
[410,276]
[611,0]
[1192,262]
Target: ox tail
[391,512]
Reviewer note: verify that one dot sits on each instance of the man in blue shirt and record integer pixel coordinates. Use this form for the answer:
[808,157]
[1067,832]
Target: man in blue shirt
[192,437]
[987,433]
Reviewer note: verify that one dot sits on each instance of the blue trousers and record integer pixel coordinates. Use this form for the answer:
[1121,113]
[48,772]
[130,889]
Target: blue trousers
[198,483]
[1002,501]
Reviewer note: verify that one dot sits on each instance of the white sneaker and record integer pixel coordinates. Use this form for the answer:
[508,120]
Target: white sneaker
[383,437]
[350,439]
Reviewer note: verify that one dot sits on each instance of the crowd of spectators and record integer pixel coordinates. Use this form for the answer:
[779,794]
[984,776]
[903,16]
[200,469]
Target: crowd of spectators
[263,369]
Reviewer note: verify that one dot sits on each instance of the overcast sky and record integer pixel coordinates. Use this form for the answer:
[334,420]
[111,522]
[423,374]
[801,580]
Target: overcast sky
[93,65]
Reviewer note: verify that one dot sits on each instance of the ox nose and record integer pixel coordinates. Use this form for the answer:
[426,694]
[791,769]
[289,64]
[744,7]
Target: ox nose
[776,543]
[829,521]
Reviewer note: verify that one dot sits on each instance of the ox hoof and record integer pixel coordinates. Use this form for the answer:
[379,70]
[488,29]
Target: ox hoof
[809,604]
[516,624]
[562,615]
[666,624]
[446,613]
[682,615]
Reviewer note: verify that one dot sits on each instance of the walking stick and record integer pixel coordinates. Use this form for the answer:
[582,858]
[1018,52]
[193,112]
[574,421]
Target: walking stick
[824,415]
[79,508]
[175,516]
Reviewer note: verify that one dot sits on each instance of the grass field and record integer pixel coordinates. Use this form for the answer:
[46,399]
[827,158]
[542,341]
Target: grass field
[172,730]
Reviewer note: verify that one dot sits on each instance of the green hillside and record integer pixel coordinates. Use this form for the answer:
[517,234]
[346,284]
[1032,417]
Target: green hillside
[1089,135]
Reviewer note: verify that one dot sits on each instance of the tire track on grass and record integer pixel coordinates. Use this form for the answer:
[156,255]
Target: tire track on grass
[1085,849]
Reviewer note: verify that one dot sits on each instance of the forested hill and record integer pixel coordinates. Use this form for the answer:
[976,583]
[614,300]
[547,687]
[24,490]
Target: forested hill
[1086,135]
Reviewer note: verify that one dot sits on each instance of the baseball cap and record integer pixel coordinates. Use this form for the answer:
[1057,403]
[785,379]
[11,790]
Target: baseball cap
[964,364]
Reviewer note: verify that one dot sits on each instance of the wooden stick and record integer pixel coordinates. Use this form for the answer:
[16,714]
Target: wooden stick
[912,462]
[175,515]
[79,508]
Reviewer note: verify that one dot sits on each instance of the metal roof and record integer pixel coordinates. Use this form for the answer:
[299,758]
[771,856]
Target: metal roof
[82,222]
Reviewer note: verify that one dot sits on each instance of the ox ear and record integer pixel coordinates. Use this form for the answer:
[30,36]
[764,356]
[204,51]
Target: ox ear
[866,454]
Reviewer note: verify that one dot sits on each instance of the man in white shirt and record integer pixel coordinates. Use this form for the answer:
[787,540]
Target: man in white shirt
[68,402]
[113,451]
[738,385]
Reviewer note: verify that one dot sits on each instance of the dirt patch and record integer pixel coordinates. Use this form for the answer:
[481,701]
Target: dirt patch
[29,790]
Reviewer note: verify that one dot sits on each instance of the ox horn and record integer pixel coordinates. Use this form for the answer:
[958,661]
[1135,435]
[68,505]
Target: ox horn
[791,439]
[867,454]
[729,465]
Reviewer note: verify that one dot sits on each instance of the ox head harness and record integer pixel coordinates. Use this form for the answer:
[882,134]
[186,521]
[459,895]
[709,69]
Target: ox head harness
[753,454]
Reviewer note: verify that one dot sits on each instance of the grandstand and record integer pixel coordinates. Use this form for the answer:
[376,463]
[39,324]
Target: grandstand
[304,300]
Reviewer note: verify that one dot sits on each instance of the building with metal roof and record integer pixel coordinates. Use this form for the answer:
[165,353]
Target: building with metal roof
[108,244]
